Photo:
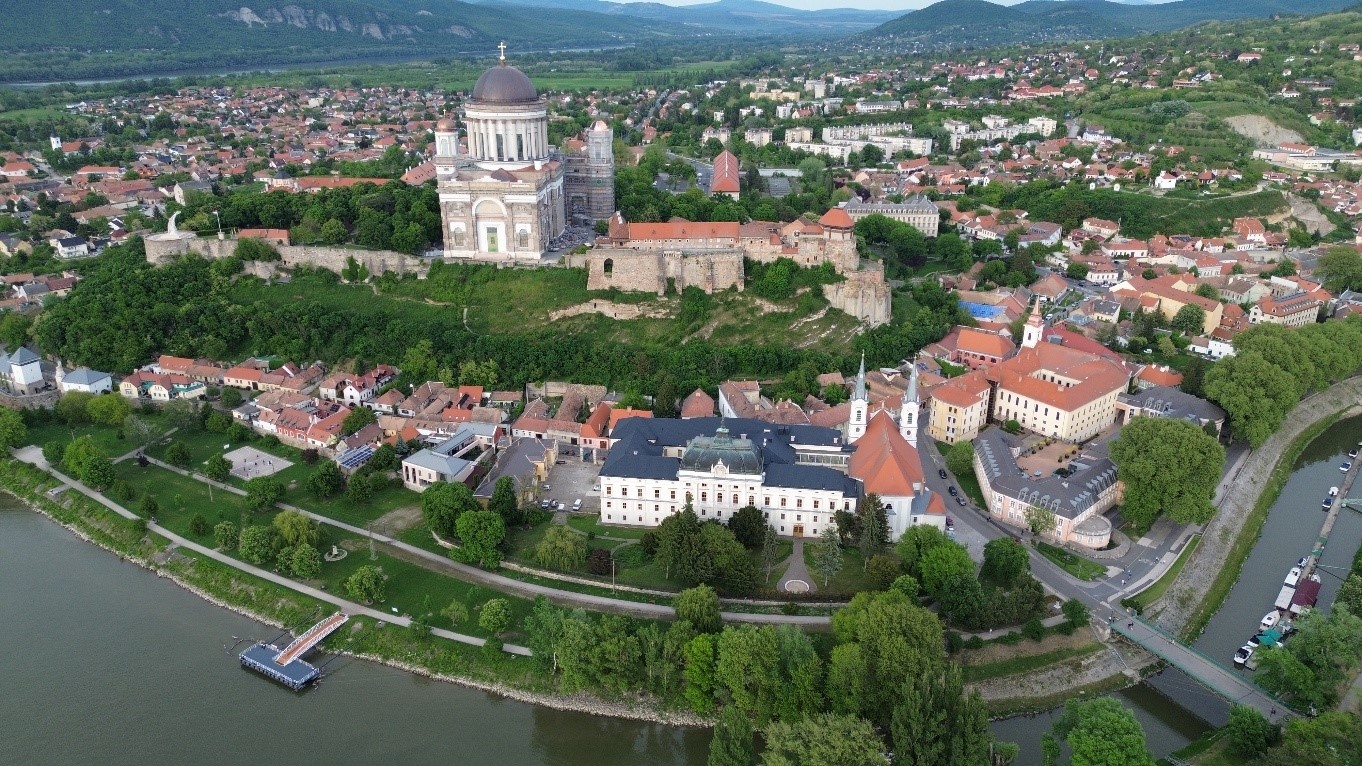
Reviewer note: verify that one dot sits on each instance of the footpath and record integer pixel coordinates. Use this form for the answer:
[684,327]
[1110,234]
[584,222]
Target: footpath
[33,455]
[1239,494]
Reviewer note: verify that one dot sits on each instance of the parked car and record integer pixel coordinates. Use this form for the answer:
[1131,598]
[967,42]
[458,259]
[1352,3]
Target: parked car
[577,505]
[960,501]
[953,491]
[941,472]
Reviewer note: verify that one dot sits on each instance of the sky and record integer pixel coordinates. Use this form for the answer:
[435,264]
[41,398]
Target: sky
[890,5]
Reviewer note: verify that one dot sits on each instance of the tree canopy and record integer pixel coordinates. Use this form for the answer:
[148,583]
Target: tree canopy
[1168,466]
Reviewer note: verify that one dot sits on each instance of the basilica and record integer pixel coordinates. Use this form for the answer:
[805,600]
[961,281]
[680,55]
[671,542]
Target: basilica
[506,193]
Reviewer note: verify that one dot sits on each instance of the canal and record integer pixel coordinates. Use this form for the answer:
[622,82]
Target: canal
[106,663]
[1291,531]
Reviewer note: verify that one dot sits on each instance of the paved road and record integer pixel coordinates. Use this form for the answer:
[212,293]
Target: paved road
[34,455]
[511,585]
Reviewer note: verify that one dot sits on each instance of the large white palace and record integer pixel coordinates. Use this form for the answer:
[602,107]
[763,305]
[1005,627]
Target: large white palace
[799,476]
[508,197]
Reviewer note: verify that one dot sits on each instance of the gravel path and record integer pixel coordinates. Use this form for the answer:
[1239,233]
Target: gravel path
[1172,612]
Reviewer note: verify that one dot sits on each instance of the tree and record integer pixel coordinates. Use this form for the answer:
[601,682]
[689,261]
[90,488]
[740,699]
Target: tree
[873,527]
[1101,732]
[1207,291]
[1190,320]
[1168,466]
[78,453]
[503,501]
[183,415]
[326,480]
[676,540]
[217,468]
[1041,521]
[827,555]
[177,454]
[13,432]
[296,529]
[199,525]
[442,503]
[732,744]
[358,418]
[496,616]
[1076,612]
[700,607]
[1254,392]
[306,561]
[699,673]
[98,472]
[1077,270]
[960,459]
[749,526]
[1005,562]
[1350,594]
[1248,732]
[256,543]
[360,488]
[230,398]
[1340,268]
[941,563]
[384,459]
[480,532]
[109,410]
[367,584]
[1332,739]
[54,452]
[562,549]
[936,722]
[148,507]
[73,408]
[225,535]
[263,492]
[881,571]
[826,739]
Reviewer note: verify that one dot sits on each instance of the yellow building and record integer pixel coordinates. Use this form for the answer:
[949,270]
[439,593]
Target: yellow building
[959,408]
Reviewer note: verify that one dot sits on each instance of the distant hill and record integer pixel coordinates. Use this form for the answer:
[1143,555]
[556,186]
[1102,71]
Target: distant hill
[750,17]
[968,23]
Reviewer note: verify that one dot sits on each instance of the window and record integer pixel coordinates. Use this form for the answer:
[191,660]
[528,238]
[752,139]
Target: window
[673,495]
[782,502]
[799,502]
[609,490]
[522,238]
[782,518]
[609,516]
[608,267]
[735,499]
[799,517]
[815,505]
[607,503]
[704,497]
[640,491]
[657,494]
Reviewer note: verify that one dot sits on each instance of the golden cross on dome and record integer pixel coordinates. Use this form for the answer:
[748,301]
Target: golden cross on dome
[502,48]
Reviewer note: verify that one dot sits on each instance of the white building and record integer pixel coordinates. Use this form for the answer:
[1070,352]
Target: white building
[84,380]
[21,373]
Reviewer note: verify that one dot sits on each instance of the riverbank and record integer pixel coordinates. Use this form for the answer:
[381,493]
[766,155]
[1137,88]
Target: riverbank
[1229,537]
[273,605]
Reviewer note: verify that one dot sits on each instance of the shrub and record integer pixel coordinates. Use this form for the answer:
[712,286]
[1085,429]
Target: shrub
[199,525]
[598,561]
[954,642]
[974,642]
[1012,637]
[1034,629]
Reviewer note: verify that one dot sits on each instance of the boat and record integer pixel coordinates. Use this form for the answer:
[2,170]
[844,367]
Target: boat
[1328,503]
[1284,597]
[1293,577]
[1243,655]
[1302,560]
[1346,467]
[1305,597]
[1270,619]
[1333,492]
[1352,452]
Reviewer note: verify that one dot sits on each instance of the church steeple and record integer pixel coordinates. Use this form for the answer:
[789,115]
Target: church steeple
[860,406]
[1034,329]
[911,407]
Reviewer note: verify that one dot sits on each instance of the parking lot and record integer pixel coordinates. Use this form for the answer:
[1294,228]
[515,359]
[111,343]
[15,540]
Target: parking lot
[574,480]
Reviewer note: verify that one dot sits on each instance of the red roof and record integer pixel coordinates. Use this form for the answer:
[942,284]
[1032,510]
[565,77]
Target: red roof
[727,176]
[836,218]
[884,461]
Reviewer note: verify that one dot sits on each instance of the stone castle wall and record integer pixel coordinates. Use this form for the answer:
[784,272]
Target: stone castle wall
[863,294]
[649,270]
[162,250]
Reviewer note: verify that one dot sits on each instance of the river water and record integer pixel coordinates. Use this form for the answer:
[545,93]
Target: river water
[103,662]
[1291,530]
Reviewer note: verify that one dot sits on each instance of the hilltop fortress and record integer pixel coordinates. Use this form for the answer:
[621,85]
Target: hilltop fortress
[644,257]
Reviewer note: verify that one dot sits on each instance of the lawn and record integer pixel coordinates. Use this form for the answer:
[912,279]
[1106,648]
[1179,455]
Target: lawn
[1070,562]
[180,498]
[109,441]
[849,581]
[203,445]
[1144,598]
[591,525]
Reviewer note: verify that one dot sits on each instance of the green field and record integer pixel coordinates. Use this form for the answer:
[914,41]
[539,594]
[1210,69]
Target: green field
[1072,563]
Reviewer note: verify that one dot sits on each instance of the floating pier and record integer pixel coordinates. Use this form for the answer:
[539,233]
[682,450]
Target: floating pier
[287,665]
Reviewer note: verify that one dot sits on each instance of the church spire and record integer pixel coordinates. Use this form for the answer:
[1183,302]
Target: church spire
[1035,327]
[908,412]
[859,392]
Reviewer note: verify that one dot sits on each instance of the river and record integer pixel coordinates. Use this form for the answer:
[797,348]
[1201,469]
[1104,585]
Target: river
[1290,532]
[106,663]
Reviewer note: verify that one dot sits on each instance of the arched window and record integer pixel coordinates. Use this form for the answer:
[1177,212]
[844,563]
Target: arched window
[609,266]
[522,238]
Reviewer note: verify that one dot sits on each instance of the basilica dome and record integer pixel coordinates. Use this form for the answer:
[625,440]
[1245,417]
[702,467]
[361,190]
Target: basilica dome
[504,84]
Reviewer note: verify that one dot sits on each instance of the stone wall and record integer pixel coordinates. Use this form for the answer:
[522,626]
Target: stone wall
[864,295]
[649,270]
[162,249]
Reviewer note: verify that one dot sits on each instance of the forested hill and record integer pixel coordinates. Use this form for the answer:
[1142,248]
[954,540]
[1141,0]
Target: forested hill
[965,23]
[118,37]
